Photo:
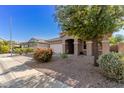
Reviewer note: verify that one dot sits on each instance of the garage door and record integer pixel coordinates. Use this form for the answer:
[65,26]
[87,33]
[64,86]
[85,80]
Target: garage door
[57,48]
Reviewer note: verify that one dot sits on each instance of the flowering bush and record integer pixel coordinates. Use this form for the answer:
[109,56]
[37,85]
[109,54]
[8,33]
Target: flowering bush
[112,65]
[43,54]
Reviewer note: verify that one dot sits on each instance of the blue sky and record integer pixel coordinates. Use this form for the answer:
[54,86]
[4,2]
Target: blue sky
[29,21]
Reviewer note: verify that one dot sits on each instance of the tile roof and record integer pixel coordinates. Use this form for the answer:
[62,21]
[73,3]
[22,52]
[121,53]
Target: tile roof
[37,40]
[54,39]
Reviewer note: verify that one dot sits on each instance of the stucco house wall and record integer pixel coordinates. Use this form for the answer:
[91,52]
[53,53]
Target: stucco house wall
[57,48]
[56,45]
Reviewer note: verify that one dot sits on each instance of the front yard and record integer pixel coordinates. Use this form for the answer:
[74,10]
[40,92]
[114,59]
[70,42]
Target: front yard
[74,71]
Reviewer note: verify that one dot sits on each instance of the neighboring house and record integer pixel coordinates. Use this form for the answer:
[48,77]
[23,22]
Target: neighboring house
[38,43]
[16,45]
[35,43]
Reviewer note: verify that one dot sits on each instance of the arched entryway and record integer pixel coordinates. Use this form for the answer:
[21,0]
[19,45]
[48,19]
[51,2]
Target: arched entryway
[69,48]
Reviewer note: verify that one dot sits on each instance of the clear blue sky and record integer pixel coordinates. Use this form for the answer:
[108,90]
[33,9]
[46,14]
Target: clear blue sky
[29,21]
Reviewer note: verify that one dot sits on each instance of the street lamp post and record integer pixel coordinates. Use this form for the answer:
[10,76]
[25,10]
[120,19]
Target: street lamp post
[10,29]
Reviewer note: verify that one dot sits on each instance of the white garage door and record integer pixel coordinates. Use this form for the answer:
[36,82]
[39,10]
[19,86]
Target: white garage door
[57,48]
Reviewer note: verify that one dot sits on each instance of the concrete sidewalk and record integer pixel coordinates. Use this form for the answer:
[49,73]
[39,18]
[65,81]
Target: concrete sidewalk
[16,74]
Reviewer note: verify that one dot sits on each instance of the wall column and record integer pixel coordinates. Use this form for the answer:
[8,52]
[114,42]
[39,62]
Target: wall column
[89,48]
[121,47]
[82,46]
[63,46]
[76,47]
[105,47]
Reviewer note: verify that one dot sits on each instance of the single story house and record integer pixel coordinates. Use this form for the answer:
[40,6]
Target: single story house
[62,44]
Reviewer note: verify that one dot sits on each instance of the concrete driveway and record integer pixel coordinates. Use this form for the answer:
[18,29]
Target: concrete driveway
[15,74]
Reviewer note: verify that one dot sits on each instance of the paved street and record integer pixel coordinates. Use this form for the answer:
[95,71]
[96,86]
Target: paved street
[15,74]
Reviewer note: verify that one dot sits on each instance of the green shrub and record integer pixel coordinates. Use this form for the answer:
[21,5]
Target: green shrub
[112,65]
[63,55]
[30,50]
[18,51]
[23,50]
[43,54]
[27,50]
[4,49]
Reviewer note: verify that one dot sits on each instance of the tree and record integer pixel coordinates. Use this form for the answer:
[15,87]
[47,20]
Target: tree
[4,46]
[91,22]
[112,40]
[1,42]
[119,38]
[4,49]
[116,39]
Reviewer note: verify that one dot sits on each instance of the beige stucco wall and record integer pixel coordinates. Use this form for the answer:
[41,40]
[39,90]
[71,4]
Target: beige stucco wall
[105,47]
[57,48]
[89,48]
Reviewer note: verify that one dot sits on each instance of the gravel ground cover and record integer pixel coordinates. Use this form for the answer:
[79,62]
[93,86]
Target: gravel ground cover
[75,72]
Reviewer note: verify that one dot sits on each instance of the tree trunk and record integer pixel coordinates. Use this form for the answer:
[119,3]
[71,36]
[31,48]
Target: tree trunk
[95,51]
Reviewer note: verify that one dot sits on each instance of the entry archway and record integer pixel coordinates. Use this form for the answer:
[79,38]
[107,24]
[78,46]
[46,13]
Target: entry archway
[69,48]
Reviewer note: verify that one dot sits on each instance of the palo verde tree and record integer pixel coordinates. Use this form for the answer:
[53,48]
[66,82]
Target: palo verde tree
[91,22]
